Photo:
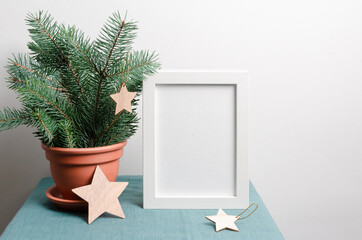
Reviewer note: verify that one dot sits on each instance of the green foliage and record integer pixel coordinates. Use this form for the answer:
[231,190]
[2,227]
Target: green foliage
[12,118]
[45,124]
[65,83]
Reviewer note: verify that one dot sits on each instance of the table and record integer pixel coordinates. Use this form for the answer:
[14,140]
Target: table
[38,218]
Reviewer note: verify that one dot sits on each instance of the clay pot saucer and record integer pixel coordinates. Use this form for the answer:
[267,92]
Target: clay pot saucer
[56,197]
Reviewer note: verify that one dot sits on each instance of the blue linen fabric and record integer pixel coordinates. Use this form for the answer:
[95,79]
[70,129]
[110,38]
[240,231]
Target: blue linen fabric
[41,219]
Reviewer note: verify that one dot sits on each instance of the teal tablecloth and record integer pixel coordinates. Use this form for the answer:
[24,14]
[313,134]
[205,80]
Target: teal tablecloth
[40,219]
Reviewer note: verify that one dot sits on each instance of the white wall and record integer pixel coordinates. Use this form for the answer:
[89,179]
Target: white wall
[305,63]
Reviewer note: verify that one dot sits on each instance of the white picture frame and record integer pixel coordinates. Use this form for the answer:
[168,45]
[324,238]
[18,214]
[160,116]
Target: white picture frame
[195,140]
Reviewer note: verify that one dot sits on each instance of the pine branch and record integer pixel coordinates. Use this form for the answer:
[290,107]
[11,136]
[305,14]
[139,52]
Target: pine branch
[114,45]
[81,44]
[43,124]
[112,139]
[110,125]
[85,56]
[32,71]
[17,80]
[129,69]
[51,104]
[114,41]
[120,129]
[104,70]
[68,138]
[12,118]
[139,65]
[23,82]
[60,51]
[23,71]
[53,109]
[115,27]
[63,57]
[97,99]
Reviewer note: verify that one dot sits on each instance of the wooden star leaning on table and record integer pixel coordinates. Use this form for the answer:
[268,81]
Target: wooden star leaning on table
[102,196]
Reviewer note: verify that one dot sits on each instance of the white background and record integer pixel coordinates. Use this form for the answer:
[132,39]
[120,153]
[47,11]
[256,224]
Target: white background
[305,98]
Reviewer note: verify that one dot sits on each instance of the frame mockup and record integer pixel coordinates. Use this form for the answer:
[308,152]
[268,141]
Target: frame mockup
[195,135]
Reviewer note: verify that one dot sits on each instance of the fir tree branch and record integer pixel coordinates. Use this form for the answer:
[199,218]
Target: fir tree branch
[21,81]
[66,130]
[85,56]
[42,122]
[21,63]
[114,45]
[63,56]
[102,77]
[32,71]
[17,80]
[97,99]
[45,125]
[65,136]
[52,104]
[129,69]
[66,91]
[109,126]
[12,118]
[114,120]
[111,140]
[57,108]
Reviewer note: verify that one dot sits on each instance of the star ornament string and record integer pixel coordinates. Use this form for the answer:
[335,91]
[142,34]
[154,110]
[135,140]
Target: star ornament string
[123,98]
[223,221]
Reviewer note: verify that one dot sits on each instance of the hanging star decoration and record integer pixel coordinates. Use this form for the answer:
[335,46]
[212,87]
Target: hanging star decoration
[223,221]
[102,196]
[123,99]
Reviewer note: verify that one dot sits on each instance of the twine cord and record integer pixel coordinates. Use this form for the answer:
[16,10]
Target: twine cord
[238,216]
[122,80]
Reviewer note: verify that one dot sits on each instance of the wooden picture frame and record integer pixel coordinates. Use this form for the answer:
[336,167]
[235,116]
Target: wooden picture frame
[195,140]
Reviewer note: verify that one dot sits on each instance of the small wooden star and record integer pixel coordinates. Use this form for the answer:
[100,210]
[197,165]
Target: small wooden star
[223,221]
[123,99]
[102,196]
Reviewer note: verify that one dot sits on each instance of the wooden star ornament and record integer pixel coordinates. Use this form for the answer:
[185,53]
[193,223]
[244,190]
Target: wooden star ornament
[102,196]
[223,221]
[123,99]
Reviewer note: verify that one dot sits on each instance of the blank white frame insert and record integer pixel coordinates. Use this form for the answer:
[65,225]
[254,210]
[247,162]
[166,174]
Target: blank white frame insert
[195,140]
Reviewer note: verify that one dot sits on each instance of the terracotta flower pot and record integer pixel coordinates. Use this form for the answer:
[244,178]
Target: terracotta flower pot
[74,167]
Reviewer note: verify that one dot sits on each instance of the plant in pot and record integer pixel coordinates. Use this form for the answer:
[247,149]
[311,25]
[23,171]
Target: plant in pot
[65,86]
